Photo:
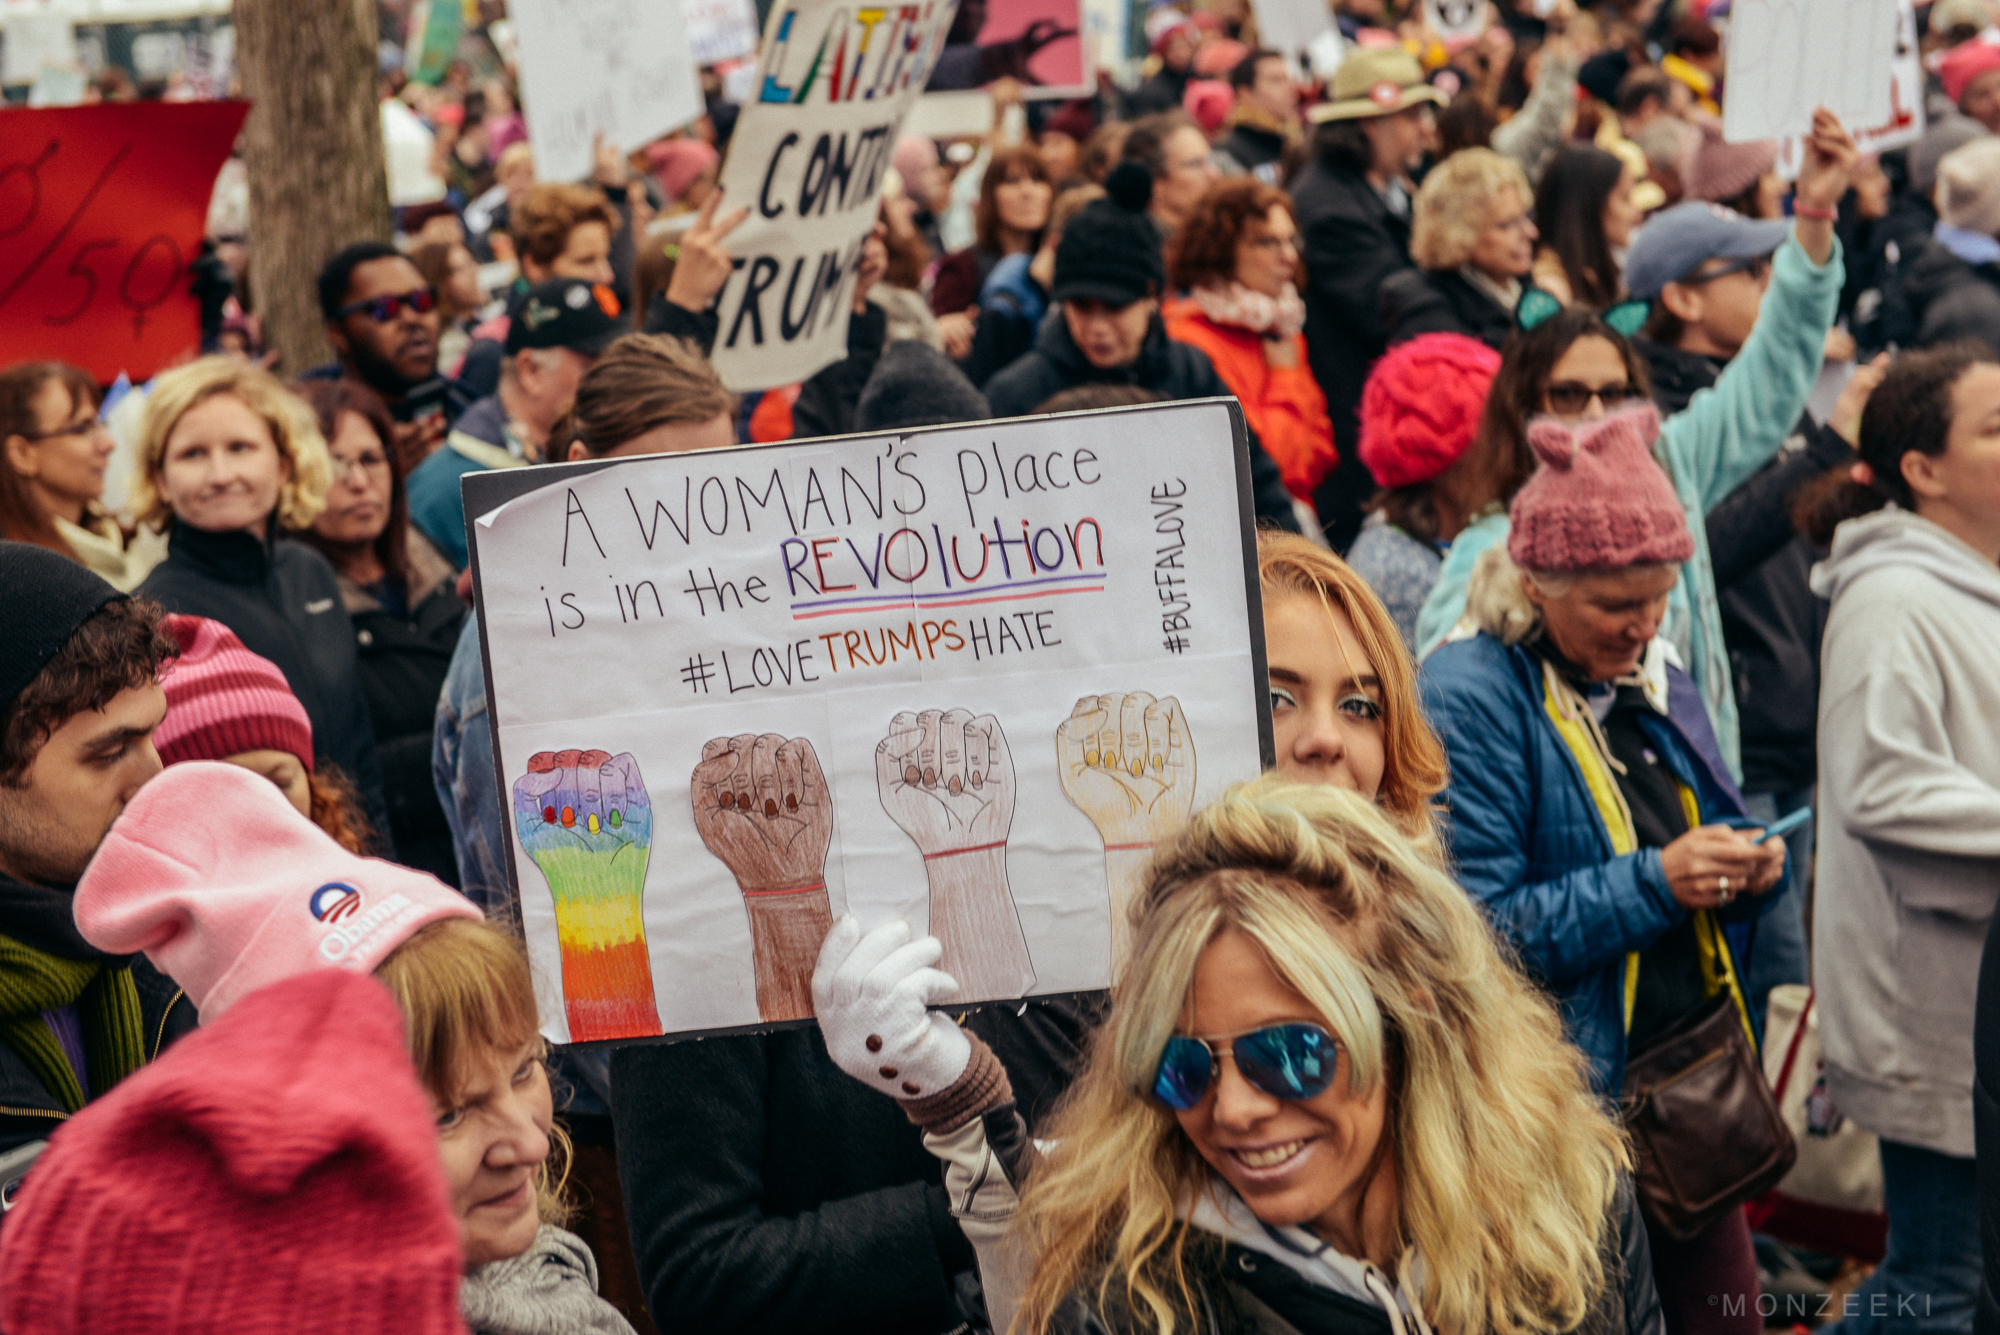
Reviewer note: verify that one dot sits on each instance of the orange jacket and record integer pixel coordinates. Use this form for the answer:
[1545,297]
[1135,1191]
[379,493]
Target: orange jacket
[1284,404]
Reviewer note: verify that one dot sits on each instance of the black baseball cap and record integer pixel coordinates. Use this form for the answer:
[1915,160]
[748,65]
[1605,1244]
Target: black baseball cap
[565,313]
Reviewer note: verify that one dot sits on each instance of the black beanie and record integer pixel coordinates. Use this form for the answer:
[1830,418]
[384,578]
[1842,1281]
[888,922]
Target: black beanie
[44,597]
[916,385]
[1110,252]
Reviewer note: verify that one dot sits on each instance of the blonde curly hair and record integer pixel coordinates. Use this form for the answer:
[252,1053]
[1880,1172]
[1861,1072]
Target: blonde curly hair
[294,430]
[1454,205]
[1506,1164]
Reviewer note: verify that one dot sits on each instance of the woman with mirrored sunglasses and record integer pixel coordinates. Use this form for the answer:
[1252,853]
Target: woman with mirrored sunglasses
[1577,360]
[1322,1102]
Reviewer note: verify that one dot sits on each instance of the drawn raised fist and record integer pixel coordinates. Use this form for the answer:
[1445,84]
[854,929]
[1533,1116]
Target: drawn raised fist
[1127,762]
[762,806]
[947,779]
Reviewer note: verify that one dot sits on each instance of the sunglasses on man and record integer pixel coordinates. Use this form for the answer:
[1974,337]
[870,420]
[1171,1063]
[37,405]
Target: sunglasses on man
[384,309]
[1287,1061]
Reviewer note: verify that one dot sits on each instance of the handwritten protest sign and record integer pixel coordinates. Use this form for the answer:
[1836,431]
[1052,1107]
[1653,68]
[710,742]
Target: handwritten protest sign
[1292,26]
[833,88]
[720,30]
[620,68]
[966,676]
[101,213]
[1456,21]
[1787,57]
[1036,43]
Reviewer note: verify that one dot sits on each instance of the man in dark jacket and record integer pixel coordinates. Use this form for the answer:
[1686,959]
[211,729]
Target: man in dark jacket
[79,675]
[1705,275]
[1263,124]
[1352,204]
[1953,289]
[1106,327]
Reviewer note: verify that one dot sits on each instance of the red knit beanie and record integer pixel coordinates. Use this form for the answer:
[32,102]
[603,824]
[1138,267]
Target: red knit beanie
[276,1172]
[223,700]
[1421,406]
[1599,501]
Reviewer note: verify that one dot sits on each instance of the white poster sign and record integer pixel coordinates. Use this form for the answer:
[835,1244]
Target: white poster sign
[807,158]
[966,677]
[720,30]
[620,68]
[1905,124]
[1787,57]
[1292,26]
[1456,21]
[36,38]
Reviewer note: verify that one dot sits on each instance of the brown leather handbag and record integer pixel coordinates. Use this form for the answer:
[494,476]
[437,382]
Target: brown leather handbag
[1705,1128]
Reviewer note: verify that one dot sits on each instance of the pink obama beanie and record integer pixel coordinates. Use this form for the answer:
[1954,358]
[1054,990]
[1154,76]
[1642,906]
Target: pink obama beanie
[1421,407]
[276,1172]
[223,700]
[227,888]
[1599,501]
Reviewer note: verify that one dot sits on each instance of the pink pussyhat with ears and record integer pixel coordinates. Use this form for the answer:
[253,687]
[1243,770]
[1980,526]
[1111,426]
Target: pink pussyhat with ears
[227,888]
[1599,501]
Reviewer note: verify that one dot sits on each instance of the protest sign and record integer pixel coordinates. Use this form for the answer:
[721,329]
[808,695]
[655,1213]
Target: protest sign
[1292,26]
[967,677]
[720,30]
[1456,21]
[1036,43]
[436,28]
[101,213]
[36,38]
[619,68]
[1787,57]
[833,88]
[1905,124]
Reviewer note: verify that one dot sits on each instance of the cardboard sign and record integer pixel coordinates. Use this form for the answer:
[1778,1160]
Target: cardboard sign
[720,30]
[1037,43]
[1905,124]
[1292,26]
[833,89]
[1787,57]
[967,677]
[620,68]
[101,213]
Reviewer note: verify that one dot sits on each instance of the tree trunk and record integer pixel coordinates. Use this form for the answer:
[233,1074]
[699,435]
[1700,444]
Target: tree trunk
[313,152]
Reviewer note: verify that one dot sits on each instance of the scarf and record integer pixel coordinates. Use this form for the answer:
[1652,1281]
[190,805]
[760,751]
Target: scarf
[1256,118]
[1282,316]
[33,981]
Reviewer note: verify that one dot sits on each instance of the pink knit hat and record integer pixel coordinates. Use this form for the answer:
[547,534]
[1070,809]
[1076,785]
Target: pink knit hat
[1207,103]
[276,1172]
[227,888]
[1421,407]
[1598,502]
[675,163]
[1964,63]
[1717,172]
[223,700]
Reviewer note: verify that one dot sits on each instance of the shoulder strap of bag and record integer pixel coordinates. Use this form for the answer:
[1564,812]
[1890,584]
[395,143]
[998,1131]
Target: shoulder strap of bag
[1792,1048]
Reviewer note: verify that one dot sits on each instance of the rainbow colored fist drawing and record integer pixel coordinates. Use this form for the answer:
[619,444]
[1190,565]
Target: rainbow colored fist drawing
[585,819]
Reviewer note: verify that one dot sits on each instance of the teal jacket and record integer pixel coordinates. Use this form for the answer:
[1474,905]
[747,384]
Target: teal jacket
[1723,436]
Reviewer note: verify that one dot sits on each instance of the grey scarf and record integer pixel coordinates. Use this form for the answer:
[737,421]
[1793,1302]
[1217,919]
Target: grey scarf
[550,1289]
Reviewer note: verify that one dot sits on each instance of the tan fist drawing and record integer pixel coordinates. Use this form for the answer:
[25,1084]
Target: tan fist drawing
[947,780]
[762,806]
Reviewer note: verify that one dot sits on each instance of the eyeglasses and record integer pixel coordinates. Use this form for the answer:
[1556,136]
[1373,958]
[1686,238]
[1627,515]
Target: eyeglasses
[86,426]
[372,462]
[384,309]
[1569,397]
[1205,163]
[1286,1061]
[1757,266]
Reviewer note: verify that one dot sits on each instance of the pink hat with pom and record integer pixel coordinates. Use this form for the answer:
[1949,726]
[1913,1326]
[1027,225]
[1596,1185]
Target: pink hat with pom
[1421,407]
[1207,103]
[227,888]
[1599,501]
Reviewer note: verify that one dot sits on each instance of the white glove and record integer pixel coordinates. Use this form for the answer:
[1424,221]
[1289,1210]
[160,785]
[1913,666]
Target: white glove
[871,995]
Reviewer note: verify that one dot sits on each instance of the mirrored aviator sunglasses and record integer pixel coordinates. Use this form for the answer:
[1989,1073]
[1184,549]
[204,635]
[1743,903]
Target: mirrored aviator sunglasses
[1286,1061]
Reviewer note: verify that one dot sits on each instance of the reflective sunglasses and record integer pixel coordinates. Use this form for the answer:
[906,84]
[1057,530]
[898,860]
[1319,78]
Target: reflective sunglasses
[1286,1061]
[1537,307]
[384,309]
[1569,397]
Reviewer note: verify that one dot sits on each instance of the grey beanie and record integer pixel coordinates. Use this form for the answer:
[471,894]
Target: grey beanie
[916,385]
[1924,155]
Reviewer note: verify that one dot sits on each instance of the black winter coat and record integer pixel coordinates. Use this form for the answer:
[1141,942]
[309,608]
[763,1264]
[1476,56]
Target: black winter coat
[1771,621]
[768,1192]
[403,656]
[1176,370]
[826,403]
[283,601]
[1441,301]
[38,918]
[1353,245]
[1950,299]
[1986,1128]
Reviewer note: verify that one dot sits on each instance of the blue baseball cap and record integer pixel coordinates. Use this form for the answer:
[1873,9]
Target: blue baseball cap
[1677,241]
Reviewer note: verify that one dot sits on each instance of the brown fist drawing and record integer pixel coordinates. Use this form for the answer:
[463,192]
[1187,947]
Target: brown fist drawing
[762,806]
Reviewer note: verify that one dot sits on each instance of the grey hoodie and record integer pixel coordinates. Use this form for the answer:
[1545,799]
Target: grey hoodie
[1909,830]
[550,1289]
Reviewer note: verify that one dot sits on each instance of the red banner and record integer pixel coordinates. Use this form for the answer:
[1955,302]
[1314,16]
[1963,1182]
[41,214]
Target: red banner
[101,213]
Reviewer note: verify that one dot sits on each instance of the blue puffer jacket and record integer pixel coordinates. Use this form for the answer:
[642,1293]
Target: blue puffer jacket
[1531,847]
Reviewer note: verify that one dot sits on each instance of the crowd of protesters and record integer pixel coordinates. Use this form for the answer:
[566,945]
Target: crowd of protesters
[1619,495]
